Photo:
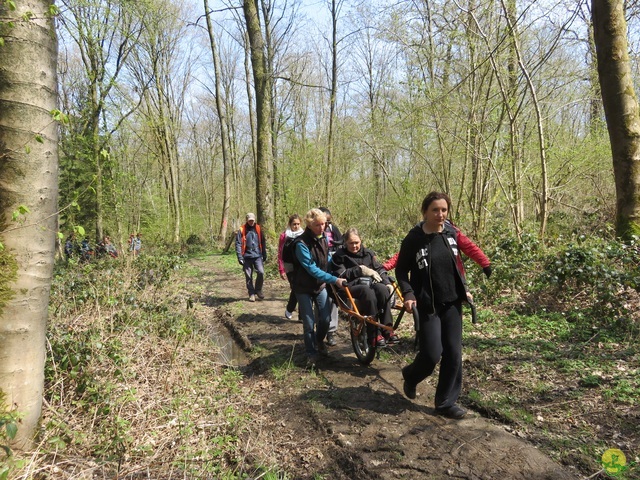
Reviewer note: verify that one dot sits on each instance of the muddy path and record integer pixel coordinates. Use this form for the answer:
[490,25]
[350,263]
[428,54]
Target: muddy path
[347,421]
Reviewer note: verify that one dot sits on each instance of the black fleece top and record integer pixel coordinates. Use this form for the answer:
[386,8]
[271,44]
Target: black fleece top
[443,270]
[346,264]
[423,271]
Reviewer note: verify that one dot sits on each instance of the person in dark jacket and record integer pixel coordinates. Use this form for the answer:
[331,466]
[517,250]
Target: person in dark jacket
[71,246]
[368,283]
[251,249]
[310,277]
[334,240]
[294,230]
[431,277]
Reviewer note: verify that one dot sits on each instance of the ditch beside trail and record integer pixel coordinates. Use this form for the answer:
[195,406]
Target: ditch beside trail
[345,420]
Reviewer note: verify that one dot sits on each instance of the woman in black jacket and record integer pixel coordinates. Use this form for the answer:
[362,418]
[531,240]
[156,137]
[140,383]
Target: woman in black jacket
[368,282]
[431,276]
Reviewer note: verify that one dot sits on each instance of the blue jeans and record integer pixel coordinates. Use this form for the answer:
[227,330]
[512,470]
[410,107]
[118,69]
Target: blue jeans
[314,331]
[251,265]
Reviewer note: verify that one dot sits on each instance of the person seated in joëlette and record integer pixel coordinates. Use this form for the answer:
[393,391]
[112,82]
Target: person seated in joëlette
[368,283]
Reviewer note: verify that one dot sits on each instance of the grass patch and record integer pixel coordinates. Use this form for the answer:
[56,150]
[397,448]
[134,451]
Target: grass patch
[133,382]
[560,383]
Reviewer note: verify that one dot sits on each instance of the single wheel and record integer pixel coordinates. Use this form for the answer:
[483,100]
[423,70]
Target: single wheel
[360,341]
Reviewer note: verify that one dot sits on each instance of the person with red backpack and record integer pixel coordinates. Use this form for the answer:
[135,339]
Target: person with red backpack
[251,249]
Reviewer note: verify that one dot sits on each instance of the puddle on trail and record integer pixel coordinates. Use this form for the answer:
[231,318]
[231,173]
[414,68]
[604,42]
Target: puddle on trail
[227,351]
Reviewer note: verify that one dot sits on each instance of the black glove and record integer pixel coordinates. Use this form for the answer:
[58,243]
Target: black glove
[241,261]
[487,271]
[264,258]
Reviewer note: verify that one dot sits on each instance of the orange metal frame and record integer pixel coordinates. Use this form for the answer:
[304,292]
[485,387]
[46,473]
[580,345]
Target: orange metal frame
[351,309]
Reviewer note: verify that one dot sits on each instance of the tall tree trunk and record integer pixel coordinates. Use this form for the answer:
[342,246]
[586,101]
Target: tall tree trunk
[263,115]
[510,14]
[224,129]
[595,99]
[28,178]
[99,186]
[513,190]
[620,109]
[267,8]
[252,120]
[174,170]
[332,101]
[516,187]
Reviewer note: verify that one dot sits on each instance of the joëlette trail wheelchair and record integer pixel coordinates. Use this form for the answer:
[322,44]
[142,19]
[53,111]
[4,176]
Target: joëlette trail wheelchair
[361,339]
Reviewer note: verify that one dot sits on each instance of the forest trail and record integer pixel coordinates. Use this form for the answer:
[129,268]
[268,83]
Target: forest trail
[347,421]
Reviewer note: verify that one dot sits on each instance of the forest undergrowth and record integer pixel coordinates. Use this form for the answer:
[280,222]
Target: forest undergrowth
[132,386]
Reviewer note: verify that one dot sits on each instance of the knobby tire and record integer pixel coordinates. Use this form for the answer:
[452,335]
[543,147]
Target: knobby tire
[361,342]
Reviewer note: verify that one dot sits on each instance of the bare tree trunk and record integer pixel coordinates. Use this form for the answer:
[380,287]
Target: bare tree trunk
[510,14]
[332,101]
[517,196]
[252,120]
[263,115]
[512,191]
[595,99]
[224,129]
[94,135]
[620,109]
[270,48]
[28,180]
[472,160]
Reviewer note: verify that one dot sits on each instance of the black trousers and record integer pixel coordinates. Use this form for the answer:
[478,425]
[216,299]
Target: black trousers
[293,300]
[370,299]
[440,340]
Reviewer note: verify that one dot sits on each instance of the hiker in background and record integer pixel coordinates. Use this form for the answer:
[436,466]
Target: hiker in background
[70,246]
[334,240]
[368,283]
[431,276]
[310,277]
[105,247]
[251,249]
[135,244]
[285,258]
[86,251]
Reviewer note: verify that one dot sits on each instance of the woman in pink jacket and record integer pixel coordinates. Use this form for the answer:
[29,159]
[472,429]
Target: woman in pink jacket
[294,230]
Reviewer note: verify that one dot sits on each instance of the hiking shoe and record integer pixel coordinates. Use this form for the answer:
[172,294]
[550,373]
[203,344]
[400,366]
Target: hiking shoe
[252,298]
[379,341]
[454,411]
[331,339]
[393,340]
[322,349]
[311,362]
[288,315]
[260,295]
[409,390]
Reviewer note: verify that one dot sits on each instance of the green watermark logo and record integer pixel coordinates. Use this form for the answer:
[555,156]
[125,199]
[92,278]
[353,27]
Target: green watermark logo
[614,462]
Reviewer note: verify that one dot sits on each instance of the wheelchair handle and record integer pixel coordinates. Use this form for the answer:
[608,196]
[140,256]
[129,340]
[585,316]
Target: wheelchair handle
[474,317]
[416,318]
